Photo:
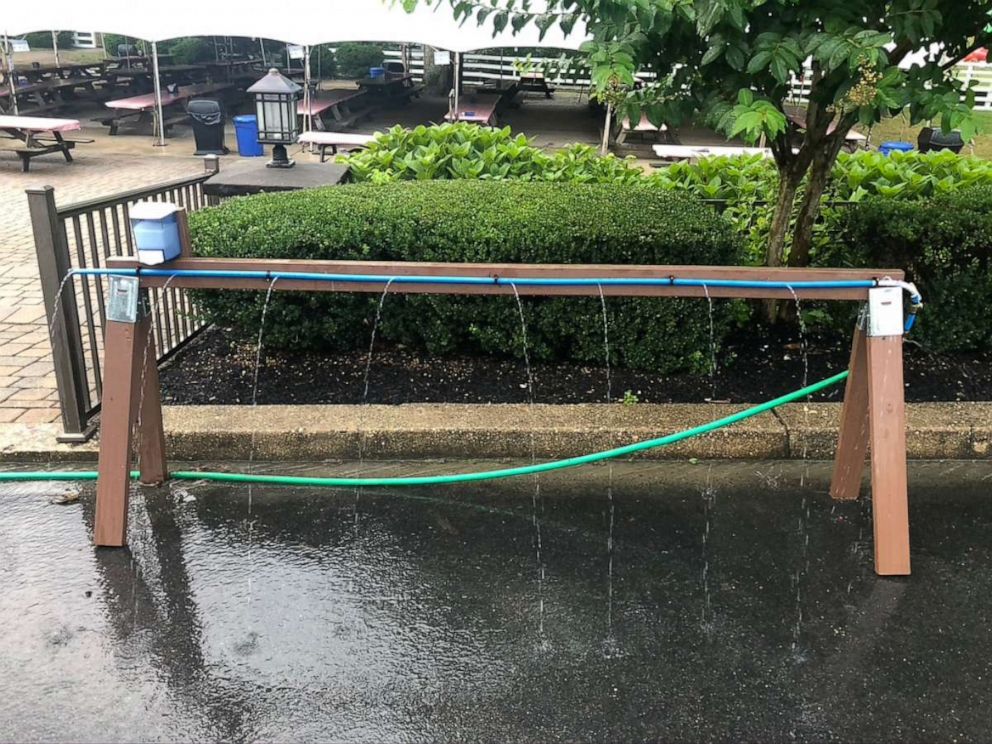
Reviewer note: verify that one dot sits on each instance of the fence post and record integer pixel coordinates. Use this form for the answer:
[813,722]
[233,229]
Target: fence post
[66,339]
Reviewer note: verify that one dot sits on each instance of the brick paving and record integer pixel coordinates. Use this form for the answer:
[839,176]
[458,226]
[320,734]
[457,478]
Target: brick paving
[28,392]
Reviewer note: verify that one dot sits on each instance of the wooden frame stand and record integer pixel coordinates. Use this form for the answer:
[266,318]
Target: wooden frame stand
[132,403]
[873,411]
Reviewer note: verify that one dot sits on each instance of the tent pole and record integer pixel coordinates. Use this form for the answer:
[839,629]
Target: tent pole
[158,95]
[55,46]
[307,117]
[458,83]
[261,45]
[11,83]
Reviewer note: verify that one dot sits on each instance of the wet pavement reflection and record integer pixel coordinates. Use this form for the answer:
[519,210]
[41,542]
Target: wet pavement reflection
[417,619]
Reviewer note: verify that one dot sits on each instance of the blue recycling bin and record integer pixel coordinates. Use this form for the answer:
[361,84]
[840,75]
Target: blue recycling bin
[887,148]
[246,132]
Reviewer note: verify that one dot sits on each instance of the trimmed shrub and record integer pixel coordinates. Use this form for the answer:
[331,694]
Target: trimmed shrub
[43,39]
[354,59]
[468,151]
[945,245]
[476,221]
[190,50]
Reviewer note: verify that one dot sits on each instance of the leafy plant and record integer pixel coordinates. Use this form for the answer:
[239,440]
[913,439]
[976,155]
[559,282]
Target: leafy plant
[630,398]
[477,221]
[468,151]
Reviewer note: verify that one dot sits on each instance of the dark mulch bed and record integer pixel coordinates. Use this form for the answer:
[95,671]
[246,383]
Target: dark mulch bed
[217,369]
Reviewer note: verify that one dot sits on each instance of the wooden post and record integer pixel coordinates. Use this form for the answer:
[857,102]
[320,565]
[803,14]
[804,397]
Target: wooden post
[889,483]
[127,346]
[151,433]
[852,446]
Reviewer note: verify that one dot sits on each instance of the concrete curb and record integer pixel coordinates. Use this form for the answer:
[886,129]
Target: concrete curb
[305,433]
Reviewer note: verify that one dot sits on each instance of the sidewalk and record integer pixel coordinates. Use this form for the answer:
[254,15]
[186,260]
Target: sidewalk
[27,382]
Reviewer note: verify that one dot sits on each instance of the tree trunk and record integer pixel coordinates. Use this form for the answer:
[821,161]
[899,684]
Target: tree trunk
[790,177]
[809,209]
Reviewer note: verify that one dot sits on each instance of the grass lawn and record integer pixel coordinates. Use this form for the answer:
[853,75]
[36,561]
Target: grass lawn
[899,128]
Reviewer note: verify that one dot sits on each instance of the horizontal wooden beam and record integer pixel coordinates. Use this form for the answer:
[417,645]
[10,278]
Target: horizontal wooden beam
[510,271]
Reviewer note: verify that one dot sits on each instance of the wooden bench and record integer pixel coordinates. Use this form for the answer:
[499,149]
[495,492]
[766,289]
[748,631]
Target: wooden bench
[675,153]
[334,140]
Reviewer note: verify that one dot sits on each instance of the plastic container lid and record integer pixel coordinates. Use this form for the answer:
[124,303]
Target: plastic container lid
[152,210]
[244,119]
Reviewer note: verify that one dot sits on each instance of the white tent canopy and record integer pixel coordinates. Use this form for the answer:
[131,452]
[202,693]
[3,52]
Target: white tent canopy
[304,22]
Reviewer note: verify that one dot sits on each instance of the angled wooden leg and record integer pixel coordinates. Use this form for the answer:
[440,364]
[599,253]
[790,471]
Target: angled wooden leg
[122,359]
[852,446]
[889,483]
[151,435]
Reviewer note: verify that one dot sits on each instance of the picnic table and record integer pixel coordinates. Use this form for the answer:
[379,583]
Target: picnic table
[40,88]
[39,136]
[644,128]
[337,103]
[672,153]
[480,111]
[143,107]
[535,82]
[391,88]
[234,69]
[334,140]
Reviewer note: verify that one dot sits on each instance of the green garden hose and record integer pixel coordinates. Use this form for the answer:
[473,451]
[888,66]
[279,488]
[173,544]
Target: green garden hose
[440,480]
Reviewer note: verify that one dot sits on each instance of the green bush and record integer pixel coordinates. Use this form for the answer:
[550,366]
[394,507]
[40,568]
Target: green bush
[467,221]
[190,50]
[468,151]
[945,245]
[748,187]
[354,60]
[43,39]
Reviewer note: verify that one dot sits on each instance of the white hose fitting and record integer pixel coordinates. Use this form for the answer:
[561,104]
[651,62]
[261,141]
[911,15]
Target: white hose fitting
[915,298]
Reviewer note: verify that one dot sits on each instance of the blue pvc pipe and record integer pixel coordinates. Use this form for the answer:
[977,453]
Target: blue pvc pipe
[481,280]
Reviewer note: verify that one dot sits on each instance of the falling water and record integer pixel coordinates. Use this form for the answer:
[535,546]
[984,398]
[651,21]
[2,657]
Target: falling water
[803,526]
[709,496]
[57,305]
[713,352]
[365,393]
[611,649]
[606,346]
[249,523]
[536,496]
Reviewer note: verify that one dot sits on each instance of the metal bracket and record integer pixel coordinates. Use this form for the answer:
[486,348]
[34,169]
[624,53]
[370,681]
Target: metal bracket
[123,300]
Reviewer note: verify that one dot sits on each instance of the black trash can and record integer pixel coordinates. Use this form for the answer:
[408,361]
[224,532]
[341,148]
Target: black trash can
[207,117]
[931,139]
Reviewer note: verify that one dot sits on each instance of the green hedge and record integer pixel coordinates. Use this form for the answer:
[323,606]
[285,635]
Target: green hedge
[945,245]
[353,60]
[465,221]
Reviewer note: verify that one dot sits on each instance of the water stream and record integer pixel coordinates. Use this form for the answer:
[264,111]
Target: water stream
[611,647]
[713,350]
[536,498]
[804,510]
[249,523]
[365,395]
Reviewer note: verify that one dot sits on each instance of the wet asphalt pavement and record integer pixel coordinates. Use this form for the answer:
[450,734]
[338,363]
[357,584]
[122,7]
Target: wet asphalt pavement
[416,615]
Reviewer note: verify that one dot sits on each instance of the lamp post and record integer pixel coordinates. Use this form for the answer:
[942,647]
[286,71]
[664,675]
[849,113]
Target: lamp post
[275,109]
